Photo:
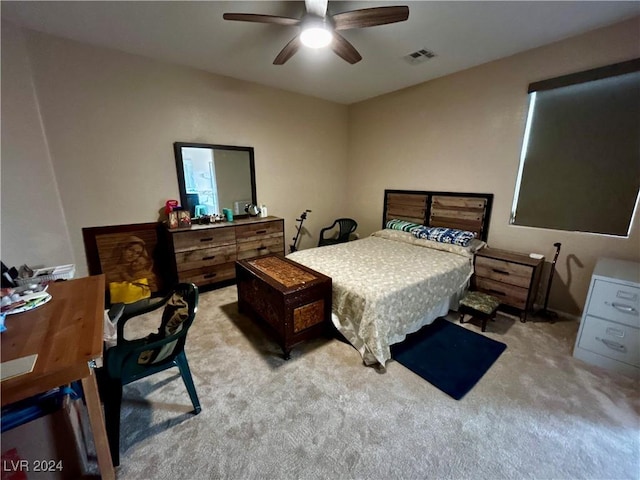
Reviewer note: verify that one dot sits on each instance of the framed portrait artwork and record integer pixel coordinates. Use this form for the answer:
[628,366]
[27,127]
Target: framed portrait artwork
[173,219]
[128,253]
[184,219]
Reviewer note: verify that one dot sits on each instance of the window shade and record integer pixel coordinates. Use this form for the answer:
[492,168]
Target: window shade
[580,168]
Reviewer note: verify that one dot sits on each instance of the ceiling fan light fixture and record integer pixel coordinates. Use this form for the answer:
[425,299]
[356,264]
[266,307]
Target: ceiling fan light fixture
[318,29]
[315,33]
[316,37]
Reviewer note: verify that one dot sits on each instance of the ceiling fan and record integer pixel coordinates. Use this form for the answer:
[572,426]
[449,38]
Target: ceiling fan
[317,29]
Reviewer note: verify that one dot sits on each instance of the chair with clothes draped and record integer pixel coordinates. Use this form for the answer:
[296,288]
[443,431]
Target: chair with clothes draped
[131,360]
[328,235]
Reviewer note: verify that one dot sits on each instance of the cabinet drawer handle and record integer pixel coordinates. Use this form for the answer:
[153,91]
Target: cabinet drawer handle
[208,239]
[618,347]
[262,248]
[503,272]
[210,257]
[260,232]
[624,308]
[210,275]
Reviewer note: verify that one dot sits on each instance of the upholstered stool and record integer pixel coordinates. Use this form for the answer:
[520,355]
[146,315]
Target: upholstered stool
[478,304]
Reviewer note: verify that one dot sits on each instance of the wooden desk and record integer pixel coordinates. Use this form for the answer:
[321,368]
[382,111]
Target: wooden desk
[66,333]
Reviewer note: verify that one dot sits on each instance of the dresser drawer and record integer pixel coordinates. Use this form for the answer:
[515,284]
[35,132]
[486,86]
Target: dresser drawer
[206,238]
[612,340]
[615,301]
[503,271]
[211,274]
[257,230]
[507,294]
[261,246]
[205,257]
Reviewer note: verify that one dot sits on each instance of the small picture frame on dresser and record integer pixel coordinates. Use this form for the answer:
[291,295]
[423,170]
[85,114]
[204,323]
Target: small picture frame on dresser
[184,219]
[172,222]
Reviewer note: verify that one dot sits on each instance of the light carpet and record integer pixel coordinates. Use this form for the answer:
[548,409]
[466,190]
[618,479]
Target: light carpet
[537,413]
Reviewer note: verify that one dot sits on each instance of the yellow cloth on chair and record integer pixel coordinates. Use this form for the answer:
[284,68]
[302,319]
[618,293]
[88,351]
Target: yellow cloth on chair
[129,292]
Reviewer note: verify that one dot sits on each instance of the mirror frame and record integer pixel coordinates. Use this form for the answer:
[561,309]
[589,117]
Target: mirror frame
[177,149]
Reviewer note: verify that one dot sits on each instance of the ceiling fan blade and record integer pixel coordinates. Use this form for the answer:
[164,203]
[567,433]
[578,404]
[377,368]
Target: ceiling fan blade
[316,7]
[344,49]
[288,51]
[258,18]
[370,17]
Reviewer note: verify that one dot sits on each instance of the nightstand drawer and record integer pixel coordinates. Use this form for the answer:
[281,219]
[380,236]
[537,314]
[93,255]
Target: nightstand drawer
[612,340]
[503,271]
[615,301]
[511,277]
[507,294]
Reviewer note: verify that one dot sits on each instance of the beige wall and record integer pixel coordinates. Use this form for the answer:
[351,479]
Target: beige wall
[463,133]
[110,120]
[33,223]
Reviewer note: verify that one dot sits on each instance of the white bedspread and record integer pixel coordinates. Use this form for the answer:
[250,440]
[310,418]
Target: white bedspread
[388,285]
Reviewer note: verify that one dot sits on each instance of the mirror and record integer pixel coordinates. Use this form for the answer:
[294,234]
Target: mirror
[213,177]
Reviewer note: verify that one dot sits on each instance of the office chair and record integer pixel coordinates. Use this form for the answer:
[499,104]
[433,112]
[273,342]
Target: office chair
[346,227]
[131,360]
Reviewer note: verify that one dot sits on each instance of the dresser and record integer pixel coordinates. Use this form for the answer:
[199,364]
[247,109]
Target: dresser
[609,333]
[511,277]
[206,254]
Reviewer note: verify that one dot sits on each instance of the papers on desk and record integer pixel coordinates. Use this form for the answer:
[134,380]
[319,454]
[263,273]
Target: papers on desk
[16,367]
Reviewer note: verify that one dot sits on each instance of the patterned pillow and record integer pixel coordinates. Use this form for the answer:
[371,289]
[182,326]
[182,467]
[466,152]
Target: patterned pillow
[445,235]
[422,232]
[403,225]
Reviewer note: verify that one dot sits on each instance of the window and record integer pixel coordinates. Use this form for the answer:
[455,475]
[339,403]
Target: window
[580,159]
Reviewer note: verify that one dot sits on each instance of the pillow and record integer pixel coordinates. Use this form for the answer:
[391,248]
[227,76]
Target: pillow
[403,225]
[422,232]
[445,235]
[409,237]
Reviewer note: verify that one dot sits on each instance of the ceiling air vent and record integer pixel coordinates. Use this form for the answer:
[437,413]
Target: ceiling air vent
[419,56]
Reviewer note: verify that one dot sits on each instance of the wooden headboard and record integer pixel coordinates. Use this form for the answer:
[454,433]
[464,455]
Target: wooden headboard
[464,211]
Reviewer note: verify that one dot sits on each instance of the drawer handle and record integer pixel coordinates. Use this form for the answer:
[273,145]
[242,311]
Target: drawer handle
[210,275]
[497,292]
[618,347]
[260,232]
[211,257]
[624,308]
[208,239]
[503,272]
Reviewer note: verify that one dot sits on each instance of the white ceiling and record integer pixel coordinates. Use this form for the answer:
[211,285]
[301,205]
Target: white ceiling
[461,33]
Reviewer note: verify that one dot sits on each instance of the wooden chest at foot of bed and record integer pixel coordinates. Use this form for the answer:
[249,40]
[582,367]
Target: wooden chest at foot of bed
[294,300]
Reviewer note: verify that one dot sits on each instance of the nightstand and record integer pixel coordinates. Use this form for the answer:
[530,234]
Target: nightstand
[509,276]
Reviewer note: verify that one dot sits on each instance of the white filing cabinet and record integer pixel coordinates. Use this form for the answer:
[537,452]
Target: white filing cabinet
[609,334]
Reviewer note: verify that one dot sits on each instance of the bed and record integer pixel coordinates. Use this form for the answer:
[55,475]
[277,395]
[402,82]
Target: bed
[392,283]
